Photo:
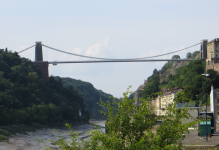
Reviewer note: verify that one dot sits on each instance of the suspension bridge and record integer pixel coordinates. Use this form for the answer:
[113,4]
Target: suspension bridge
[43,65]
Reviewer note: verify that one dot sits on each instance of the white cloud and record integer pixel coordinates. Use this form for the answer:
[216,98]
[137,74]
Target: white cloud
[97,50]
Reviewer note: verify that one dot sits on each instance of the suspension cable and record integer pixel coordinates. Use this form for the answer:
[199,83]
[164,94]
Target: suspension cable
[26,49]
[117,59]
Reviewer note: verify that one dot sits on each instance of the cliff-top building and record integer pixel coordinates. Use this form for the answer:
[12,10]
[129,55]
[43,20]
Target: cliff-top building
[210,52]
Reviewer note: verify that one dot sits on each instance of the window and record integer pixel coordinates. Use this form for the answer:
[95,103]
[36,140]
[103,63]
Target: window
[217,93]
[217,101]
[216,55]
[217,107]
[159,103]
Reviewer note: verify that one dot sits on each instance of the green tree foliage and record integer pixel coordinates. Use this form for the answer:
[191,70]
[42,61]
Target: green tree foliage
[189,55]
[188,77]
[90,95]
[175,57]
[166,66]
[131,96]
[25,98]
[133,128]
[152,84]
[194,54]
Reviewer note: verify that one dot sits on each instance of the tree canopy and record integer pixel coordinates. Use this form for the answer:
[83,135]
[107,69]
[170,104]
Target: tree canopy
[26,98]
[134,127]
[90,95]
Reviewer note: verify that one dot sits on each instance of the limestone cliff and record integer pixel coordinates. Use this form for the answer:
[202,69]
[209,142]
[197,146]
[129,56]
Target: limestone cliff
[141,87]
[172,69]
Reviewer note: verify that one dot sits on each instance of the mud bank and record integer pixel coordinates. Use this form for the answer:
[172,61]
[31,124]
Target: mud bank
[29,141]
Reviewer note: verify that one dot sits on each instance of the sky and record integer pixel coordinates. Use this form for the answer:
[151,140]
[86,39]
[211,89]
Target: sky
[107,28]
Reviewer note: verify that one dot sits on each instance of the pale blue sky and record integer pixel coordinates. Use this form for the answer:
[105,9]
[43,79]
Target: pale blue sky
[116,29]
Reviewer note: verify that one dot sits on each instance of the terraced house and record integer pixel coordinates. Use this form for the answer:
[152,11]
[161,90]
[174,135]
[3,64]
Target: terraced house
[162,101]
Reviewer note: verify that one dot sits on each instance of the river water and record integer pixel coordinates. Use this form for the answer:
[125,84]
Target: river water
[29,142]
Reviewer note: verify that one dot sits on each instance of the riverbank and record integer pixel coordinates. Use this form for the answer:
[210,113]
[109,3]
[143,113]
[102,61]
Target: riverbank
[28,141]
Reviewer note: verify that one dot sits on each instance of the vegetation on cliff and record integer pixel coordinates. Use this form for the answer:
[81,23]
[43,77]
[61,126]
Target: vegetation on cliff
[188,77]
[25,98]
[90,95]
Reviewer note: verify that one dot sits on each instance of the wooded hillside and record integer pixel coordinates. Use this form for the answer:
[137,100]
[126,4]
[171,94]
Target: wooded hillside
[90,95]
[25,98]
[187,76]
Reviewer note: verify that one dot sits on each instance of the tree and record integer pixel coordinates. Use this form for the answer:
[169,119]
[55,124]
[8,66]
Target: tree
[155,71]
[189,55]
[152,85]
[133,127]
[26,99]
[175,57]
[194,54]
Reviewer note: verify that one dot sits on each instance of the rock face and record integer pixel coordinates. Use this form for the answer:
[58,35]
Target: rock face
[172,70]
[141,87]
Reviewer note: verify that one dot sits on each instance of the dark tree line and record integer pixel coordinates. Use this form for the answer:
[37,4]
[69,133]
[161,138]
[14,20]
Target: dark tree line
[90,95]
[26,98]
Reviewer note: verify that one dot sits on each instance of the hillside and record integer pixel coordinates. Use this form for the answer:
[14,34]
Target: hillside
[90,95]
[185,75]
[25,98]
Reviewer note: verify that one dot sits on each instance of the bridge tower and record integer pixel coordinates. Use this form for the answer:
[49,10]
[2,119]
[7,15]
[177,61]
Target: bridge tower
[203,51]
[43,65]
[38,52]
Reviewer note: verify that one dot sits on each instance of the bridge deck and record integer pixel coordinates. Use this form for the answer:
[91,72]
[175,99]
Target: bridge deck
[110,61]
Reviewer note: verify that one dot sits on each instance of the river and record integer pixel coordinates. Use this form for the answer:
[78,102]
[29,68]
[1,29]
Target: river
[28,141]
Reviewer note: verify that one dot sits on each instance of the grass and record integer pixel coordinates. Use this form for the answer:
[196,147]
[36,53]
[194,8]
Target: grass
[3,138]
[5,133]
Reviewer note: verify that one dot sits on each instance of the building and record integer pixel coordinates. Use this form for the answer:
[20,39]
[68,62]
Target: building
[214,107]
[161,102]
[212,57]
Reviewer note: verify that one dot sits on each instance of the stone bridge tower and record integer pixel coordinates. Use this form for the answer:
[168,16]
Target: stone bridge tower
[203,51]
[43,65]
[212,59]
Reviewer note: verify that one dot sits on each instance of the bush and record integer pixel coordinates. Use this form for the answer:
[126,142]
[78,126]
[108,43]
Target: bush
[3,132]
[3,137]
[133,127]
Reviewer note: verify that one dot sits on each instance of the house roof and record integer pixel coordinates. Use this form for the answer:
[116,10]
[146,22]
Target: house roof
[172,91]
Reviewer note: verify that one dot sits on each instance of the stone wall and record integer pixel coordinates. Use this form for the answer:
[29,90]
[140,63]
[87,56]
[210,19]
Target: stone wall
[213,66]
